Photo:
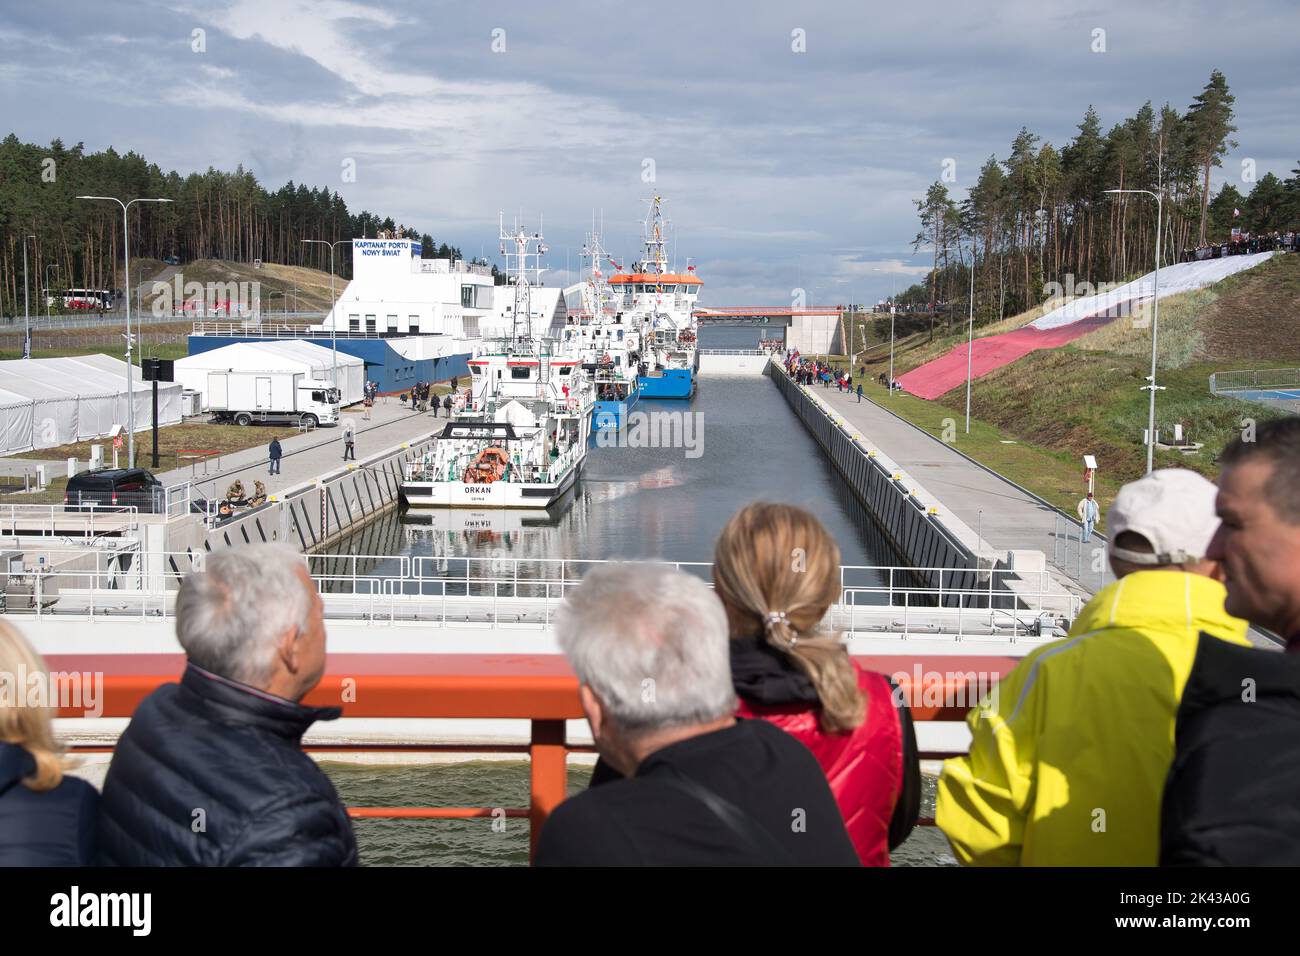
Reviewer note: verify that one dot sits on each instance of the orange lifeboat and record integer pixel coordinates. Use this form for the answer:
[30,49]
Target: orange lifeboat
[488,466]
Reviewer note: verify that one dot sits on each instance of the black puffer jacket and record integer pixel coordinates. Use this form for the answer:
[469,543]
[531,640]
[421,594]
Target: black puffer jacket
[1232,797]
[210,773]
[43,828]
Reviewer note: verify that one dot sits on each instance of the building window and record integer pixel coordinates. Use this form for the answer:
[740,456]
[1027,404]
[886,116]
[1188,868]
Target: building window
[370,323]
[467,297]
[354,323]
[469,326]
[412,324]
[392,324]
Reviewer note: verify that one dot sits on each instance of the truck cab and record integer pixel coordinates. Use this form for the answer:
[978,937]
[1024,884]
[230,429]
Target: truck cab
[319,400]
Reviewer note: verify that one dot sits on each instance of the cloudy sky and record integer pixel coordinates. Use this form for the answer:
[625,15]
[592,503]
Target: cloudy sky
[782,168]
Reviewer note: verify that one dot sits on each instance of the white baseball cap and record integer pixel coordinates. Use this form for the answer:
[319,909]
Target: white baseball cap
[1172,508]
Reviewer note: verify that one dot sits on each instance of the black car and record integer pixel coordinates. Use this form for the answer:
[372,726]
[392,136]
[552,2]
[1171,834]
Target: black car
[114,487]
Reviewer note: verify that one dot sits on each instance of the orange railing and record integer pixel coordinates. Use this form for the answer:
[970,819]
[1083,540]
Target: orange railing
[535,687]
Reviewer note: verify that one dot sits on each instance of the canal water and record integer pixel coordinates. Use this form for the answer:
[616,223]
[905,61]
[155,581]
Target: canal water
[503,784]
[632,503]
[745,445]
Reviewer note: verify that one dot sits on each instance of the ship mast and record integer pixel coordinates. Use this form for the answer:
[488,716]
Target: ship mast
[594,289]
[519,250]
[656,259]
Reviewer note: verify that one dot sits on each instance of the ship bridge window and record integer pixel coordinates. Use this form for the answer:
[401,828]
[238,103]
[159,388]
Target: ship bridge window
[620,335]
[521,371]
[565,369]
[476,371]
[670,288]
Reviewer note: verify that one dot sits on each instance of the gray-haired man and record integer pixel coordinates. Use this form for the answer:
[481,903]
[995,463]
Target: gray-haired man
[210,771]
[649,646]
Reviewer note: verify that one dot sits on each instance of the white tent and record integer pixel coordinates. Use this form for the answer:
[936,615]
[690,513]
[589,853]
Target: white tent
[58,401]
[285,355]
[1176,278]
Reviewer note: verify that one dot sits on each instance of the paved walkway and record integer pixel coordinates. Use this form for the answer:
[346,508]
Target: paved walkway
[1004,515]
[312,454]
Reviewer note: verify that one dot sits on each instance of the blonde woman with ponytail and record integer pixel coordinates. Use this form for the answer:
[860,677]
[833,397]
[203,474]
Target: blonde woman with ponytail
[777,572]
[46,817]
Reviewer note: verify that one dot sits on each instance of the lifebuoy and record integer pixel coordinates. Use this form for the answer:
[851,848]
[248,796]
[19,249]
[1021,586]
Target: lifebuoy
[488,466]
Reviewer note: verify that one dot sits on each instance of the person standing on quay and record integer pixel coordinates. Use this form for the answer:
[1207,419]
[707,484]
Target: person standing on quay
[859,393]
[275,452]
[1089,513]
[349,444]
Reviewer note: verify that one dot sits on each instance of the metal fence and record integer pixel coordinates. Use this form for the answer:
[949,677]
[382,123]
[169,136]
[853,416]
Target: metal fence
[501,592]
[1251,379]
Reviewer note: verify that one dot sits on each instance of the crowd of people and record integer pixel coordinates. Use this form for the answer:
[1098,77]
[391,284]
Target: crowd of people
[1244,244]
[733,729]
[812,371]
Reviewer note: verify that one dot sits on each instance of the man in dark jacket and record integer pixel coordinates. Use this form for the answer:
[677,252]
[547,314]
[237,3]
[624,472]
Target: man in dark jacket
[702,788]
[210,771]
[1230,798]
[275,453]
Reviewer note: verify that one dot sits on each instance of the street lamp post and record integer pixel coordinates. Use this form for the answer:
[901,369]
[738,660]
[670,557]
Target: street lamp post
[334,319]
[970,333]
[27,317]
[126,259]
[1155,325]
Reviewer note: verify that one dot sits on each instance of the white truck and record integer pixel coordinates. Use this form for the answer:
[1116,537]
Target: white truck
[271,398]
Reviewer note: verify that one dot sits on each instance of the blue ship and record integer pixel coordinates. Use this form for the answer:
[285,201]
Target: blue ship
[672,383]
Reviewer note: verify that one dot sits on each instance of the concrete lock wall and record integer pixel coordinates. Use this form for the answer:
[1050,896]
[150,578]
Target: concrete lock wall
[916,529]
[815,334]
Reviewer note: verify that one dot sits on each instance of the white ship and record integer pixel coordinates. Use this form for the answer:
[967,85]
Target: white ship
[606,341]
[518,435]
[662,305]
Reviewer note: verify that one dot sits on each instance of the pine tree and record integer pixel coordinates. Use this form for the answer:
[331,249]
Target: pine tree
[1210,121]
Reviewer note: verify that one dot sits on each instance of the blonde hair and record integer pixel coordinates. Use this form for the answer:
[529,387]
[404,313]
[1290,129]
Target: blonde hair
[777,571]
[29,727]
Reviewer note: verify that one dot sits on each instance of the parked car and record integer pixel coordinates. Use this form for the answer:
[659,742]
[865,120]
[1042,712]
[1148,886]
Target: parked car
[114,487]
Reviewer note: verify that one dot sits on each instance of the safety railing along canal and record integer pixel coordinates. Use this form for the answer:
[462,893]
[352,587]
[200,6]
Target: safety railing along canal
[522,593]
[538,688]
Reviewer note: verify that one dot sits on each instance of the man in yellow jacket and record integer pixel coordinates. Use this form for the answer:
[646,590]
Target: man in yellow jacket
[1069,755]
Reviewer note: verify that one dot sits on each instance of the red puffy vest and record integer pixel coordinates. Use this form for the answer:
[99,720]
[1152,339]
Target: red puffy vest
[864,766]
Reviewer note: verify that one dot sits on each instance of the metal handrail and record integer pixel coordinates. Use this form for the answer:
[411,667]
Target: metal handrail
[492,592]
[542,695]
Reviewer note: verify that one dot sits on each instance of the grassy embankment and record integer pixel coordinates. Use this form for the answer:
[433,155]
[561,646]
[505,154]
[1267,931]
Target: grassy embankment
[1033,420]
